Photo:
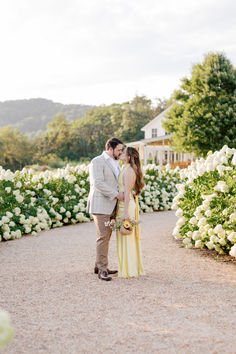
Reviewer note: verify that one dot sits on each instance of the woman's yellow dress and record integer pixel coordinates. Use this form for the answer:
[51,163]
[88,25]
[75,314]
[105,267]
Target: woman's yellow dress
[128,246]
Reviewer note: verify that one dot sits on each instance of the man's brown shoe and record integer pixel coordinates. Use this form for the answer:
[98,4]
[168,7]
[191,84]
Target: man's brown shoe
[104,276]
[112,271]
[108,271]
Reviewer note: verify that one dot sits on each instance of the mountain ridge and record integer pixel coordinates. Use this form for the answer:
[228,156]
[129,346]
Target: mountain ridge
[32,115]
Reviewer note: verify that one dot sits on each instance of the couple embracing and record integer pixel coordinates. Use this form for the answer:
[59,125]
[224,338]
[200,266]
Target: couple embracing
[114,195]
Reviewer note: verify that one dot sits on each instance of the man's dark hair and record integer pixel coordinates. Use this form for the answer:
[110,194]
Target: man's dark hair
[112,142]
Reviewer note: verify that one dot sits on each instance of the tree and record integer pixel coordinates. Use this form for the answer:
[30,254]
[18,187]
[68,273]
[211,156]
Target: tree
[56,140]
[203,116]
[16,149]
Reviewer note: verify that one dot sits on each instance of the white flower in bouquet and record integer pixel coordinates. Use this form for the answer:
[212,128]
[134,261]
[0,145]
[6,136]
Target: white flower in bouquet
[6,330]
[8,189]
[19,184]
[233,251]
[68,214]
[62,209]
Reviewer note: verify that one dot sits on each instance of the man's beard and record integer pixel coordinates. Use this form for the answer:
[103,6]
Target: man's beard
[115,157]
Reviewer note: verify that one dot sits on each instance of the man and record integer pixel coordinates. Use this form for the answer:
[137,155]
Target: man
[104,172]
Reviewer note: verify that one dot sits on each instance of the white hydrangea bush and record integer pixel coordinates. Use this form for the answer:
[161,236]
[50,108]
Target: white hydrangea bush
[160,188]
[206,203]
[31,202]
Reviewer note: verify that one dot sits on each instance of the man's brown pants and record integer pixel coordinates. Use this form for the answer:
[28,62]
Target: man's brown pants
[102,242]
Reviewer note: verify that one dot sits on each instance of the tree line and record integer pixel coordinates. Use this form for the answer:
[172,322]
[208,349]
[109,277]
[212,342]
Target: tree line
[202,118]
[81,139]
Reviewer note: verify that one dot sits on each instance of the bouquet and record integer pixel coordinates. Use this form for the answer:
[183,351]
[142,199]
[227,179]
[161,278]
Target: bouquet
[6,330]
[124,226]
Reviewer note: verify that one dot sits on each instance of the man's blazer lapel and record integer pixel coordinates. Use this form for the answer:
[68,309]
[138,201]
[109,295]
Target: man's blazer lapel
[111,167]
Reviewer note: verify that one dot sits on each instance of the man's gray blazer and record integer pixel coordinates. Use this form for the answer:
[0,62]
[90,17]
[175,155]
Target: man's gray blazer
[103,187]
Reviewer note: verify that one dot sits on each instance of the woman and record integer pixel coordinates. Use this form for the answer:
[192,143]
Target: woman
[128,246]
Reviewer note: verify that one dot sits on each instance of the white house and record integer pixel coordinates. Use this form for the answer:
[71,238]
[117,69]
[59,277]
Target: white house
[155,146]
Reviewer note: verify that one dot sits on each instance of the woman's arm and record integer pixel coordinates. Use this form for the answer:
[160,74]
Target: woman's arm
[129,181]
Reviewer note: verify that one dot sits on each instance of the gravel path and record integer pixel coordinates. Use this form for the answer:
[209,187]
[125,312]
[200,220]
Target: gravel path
[186,303]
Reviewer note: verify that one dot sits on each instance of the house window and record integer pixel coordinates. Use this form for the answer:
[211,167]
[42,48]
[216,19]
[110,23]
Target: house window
[154,132]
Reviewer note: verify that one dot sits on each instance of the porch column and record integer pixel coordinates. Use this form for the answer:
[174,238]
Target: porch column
[160,158]
[145,154]
[168,156]
[174,156]
[141,152]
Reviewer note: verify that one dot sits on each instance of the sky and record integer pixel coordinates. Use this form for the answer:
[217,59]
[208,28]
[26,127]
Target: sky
[107,51]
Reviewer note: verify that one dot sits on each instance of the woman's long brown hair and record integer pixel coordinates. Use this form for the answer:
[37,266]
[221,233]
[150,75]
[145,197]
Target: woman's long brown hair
[134,162]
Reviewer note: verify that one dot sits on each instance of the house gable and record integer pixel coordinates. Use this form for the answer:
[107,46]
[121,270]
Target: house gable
[154,127]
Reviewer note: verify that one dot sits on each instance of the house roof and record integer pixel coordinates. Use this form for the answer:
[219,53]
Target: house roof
[160,116]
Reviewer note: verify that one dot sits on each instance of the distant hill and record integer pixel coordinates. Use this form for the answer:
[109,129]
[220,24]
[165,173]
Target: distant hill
[31,116]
